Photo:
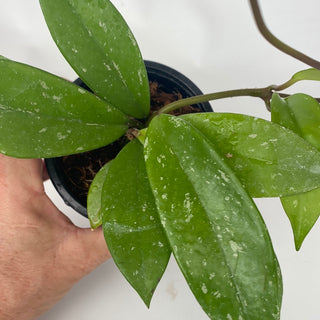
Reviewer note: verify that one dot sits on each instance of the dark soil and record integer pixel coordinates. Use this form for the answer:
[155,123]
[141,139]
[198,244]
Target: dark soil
[81,169]
[160,98]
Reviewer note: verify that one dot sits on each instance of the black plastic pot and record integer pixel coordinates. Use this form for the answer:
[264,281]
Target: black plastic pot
[170,80]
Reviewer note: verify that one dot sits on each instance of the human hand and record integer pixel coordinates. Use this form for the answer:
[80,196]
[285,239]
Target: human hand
[42,254]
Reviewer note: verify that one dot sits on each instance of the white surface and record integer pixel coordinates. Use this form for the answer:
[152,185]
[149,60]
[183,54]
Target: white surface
[217,45]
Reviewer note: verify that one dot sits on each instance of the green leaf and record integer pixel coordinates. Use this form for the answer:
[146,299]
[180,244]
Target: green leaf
[262,154]
[98,44]
[303,211]
[94,201]
[308,74]
[301,114]
[131,224]
[43,116]
[214,228]
[281,114]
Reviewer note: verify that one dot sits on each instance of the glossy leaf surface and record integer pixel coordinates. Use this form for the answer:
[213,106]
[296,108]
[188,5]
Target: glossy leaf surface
[94,200]
[262,154]
[42,115]
[308,74]
[303,211]
[98,44]
[301,114]
[131,224]
[215,231]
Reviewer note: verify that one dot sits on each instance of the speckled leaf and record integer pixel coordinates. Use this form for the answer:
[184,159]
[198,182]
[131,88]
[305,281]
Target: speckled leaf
[94,200]
[98,44]
[43,116]
[303,211]
[301,114]
[262,154]
[215,231]
[131,224]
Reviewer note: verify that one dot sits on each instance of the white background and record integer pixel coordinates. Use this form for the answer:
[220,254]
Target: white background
[217,45]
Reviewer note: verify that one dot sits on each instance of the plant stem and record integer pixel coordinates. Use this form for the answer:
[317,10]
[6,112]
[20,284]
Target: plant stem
[264,93]
[276,42]
[284,86]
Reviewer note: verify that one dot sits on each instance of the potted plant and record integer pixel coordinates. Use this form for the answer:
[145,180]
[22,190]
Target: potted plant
[183,185]
[72,175]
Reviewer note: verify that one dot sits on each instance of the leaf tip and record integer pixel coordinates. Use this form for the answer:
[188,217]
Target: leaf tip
[146,298]
[298,243]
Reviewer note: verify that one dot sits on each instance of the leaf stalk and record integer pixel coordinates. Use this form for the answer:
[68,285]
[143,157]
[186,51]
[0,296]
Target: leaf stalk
[264,93]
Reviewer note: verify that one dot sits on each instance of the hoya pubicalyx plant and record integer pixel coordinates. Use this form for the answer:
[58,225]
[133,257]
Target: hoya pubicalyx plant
[185,185]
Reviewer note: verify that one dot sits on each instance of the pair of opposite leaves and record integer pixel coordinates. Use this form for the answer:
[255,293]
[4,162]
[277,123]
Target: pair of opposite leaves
[183,175]
[301,114]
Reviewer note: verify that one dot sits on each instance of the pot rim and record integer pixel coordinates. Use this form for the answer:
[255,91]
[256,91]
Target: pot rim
[156,72]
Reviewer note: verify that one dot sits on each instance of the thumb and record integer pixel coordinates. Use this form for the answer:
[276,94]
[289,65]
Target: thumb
[85,250]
